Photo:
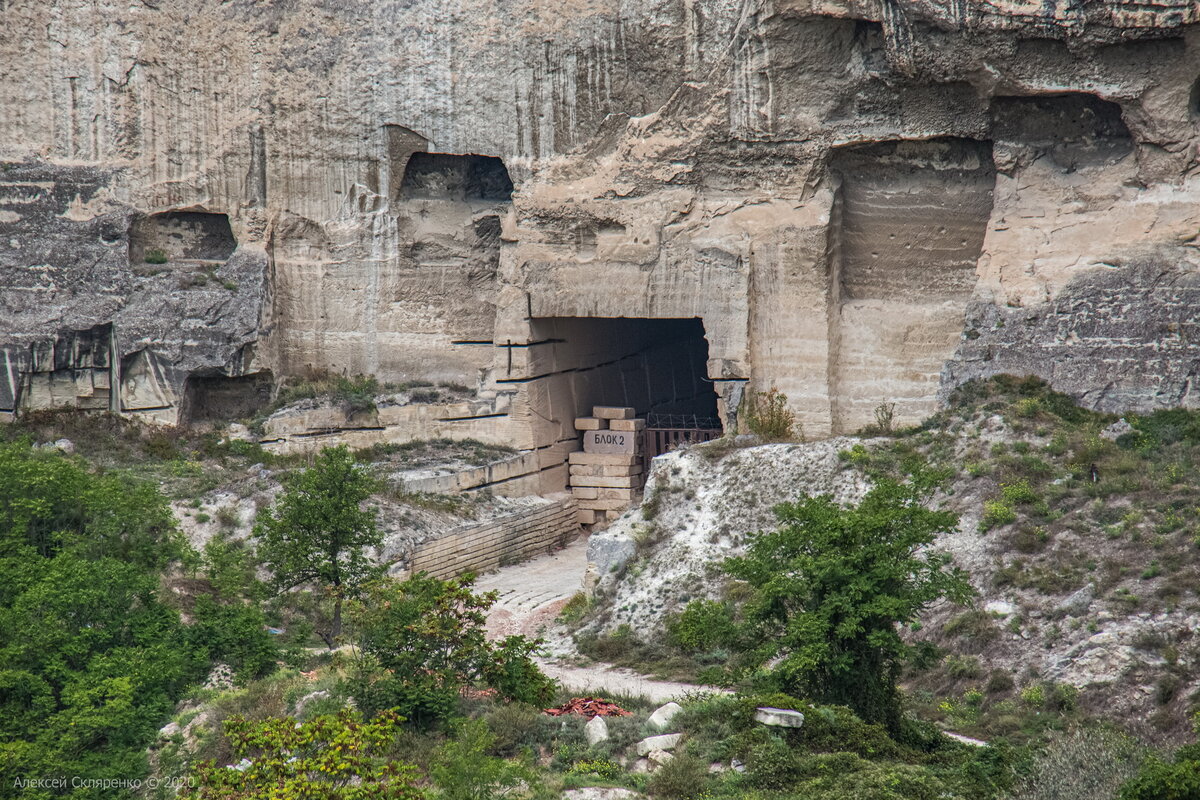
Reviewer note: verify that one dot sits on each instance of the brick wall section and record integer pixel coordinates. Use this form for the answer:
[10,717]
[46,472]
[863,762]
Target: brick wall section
[504,540]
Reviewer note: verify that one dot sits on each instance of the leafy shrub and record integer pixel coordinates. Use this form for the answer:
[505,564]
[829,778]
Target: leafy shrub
[684,777]
[1018,493]
[155,256]
[702,625]
[332,757]
[233,634]
[463,770]
[995,513]
[1162,780]
[768,416]
[423,639]
[602,768]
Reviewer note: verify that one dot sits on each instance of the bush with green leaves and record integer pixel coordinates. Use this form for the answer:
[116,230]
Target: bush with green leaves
[1160,779]
[463,769]
[423,639]
[703,625]
[769,417]
[331,757]
[233,633]
[829,590]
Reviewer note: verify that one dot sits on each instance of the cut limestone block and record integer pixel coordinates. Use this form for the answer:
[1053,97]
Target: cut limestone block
[585,492]
[585,516]
[614,459]
[666,741]
[627,424]
[590,424]
[612,412]
[779,717]
[612,442]
[663,716]
[596,731]
[603,505]
[626,482]
[628,495]
[606,470]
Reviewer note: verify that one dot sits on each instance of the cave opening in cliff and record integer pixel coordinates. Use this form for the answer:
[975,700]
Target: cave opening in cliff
[462,178]
[909,221]
[659,367]
[1073,129]
[181,236]
[210,398]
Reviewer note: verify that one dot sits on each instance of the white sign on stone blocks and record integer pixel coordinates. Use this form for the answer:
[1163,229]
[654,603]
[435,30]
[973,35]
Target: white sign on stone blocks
[611,442]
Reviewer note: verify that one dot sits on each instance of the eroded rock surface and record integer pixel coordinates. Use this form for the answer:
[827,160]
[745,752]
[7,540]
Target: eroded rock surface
[862,201]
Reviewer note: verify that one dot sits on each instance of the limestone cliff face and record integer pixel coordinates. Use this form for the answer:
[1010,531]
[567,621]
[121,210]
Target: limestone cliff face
[863,201]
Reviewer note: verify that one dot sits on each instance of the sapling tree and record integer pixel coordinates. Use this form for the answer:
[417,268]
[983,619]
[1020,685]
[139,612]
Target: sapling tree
[319,531]
[831,588]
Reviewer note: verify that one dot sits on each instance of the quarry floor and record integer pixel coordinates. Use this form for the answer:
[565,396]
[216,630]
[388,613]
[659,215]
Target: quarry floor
[531,594]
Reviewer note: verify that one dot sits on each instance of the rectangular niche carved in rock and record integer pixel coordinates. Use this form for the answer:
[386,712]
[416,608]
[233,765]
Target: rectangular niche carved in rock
[181,236]
[909,226]
[463,178]
[1074,129]
[221,397]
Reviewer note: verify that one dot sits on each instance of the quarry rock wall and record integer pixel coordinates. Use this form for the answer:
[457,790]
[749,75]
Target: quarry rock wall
[863,201]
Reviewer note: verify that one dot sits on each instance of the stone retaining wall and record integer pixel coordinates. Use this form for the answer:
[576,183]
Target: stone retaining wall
[505,540]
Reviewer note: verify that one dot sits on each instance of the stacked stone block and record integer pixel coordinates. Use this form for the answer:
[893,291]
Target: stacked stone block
[607,475]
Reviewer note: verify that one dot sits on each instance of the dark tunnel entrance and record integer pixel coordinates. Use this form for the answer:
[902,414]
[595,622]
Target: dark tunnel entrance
[656,366]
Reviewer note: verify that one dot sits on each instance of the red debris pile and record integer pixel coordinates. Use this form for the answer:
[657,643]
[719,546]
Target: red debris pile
[589,707]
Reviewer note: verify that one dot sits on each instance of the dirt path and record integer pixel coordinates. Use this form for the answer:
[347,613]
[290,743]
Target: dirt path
[530,596]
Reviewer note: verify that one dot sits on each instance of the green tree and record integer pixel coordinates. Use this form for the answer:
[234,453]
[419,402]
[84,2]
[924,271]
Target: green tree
[50,503]
[423,639]
[318,531]
[463,770]
[1175,780]
[830,588]
[91,663]
[330,757]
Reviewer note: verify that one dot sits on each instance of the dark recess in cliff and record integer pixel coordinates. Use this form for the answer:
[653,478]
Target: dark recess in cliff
[446,176]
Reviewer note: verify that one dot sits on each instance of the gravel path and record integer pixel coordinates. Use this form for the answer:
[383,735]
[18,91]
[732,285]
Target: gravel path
[530,596]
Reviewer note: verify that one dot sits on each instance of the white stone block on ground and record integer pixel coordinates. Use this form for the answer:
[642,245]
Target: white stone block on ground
[779,717]
[590,424]
[627,424]
[663,716]
[666,741]
[612,412]
[596,731]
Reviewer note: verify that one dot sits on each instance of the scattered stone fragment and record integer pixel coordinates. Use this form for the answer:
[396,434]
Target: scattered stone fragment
[662,717]
[666,741]
[1080,601]
[1116,430]
[736,765]
[600,793]
[779,717]
[596,731]
[1001,608]
[659,757]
